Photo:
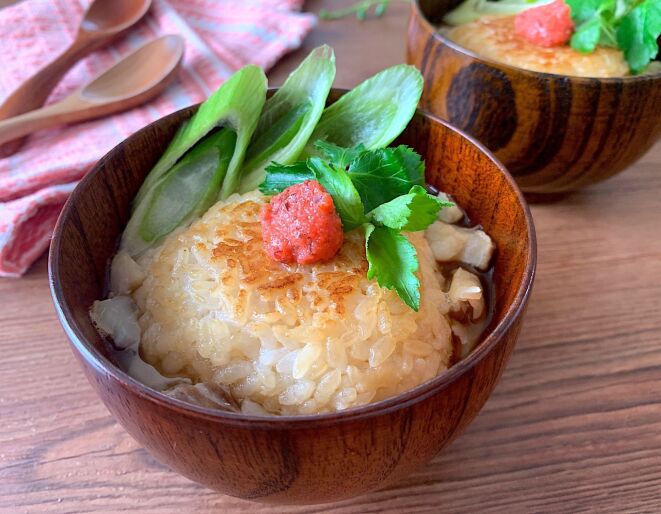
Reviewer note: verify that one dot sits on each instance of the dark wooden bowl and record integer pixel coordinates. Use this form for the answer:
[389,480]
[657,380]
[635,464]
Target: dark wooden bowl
[554,133]
[306,459]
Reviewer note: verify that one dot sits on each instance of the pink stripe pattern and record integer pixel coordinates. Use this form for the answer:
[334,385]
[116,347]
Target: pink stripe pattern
[221,37]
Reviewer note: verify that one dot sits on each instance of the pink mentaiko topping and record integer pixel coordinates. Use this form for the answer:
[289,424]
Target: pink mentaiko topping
[547,25]
[301,225]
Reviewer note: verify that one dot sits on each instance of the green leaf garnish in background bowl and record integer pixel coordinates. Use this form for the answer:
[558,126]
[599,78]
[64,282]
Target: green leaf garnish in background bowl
[638,33]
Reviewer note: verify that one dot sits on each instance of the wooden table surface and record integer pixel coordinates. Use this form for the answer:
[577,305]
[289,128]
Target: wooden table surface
[575,423]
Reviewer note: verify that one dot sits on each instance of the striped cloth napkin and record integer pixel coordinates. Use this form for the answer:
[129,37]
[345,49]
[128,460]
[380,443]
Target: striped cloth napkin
[221,37]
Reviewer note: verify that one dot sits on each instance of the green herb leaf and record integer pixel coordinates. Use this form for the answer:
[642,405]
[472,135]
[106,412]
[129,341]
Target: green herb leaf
[587,36]
[338,155]
[414,166]
[374,113]
[289,117]
[386,182]
[379,177]
[585,10]
[281,176]
[386,173]
[638,32]
[595,21]
[393,262]
[411,212]
[381,8]
[339,186]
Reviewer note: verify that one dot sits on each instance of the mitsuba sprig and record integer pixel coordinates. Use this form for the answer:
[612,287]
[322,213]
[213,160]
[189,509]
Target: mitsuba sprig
[379,191]
[633,26]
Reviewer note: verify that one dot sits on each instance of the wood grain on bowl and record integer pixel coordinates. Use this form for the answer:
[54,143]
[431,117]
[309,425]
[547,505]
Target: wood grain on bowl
[554,133]
[307,459]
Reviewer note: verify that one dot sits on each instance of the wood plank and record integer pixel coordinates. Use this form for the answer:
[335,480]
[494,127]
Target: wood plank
[574,425]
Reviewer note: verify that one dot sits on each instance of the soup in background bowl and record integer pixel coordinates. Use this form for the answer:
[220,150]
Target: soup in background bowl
[555,133]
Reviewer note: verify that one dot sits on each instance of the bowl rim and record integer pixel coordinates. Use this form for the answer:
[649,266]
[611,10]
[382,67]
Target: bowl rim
[418,14]
[101,364]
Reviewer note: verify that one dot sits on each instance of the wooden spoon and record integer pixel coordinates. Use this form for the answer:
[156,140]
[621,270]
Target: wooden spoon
[130,82]
[103,21]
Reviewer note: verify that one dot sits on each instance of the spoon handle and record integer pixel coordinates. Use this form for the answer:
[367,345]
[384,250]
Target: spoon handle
[33,92]
[20,126]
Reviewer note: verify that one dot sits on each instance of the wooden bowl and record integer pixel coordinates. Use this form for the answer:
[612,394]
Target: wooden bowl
[305,459]
[554,133]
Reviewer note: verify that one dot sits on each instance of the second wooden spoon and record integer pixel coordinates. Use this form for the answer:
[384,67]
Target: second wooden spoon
[130,82]
[102,22]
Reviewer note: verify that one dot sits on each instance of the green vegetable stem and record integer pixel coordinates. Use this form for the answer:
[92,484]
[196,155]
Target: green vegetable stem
[236,105]
[288,118]
[190,188]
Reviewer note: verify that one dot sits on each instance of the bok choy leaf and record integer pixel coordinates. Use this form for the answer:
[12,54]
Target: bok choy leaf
[276,136]
[194,171]
[184,193]
[191,187]
[236,104]
[372,114]
[288,118]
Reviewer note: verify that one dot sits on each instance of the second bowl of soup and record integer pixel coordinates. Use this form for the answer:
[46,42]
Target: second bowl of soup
[554,129]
